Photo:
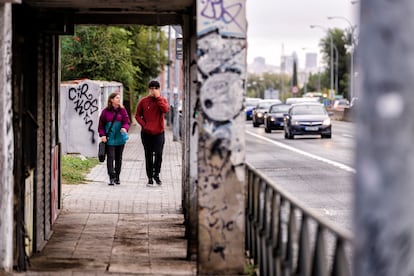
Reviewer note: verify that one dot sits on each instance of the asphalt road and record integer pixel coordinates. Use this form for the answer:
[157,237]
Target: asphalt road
[319,172]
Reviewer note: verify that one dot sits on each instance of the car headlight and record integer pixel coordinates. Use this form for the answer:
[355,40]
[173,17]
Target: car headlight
[259,115]
[295,122]
[326,122]
[272,119]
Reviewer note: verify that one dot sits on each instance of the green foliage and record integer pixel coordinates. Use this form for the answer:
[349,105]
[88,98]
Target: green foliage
[257,84]
[131,55]
[74,168]
[251,269]
[340,39]
[147,46]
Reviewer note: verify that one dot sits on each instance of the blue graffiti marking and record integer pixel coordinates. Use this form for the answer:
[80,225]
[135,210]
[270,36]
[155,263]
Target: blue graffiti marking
[215,9]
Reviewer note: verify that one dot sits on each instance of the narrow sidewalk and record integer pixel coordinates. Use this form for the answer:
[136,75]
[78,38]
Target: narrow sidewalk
[126,229]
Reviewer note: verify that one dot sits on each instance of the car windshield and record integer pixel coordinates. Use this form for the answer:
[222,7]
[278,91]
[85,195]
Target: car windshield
[252,102]
[279,109]
[308,110]
[265,105]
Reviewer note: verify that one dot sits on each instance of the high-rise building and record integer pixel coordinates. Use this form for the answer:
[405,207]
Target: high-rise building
[311,62]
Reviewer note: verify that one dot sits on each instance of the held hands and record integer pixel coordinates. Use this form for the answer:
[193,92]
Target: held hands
[155,93]
[103,139]
[123,130]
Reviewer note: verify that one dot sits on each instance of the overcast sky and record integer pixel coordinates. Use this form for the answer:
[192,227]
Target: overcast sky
[273,23]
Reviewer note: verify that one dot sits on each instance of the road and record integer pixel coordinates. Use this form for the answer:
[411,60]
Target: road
[319,172]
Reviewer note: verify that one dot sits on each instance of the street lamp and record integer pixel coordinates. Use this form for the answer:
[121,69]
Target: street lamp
[332,48]
[352,28]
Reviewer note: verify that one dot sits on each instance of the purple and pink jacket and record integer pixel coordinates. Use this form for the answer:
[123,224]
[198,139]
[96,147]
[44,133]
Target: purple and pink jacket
[122,121]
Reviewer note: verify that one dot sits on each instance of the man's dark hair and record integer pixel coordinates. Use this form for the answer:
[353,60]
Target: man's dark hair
[154,83]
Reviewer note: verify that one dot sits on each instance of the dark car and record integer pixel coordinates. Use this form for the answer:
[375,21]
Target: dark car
[307,119]
[261,109]
[250,104]
[274,117]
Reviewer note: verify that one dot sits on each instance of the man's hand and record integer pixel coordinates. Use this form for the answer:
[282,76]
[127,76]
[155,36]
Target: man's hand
[156,93]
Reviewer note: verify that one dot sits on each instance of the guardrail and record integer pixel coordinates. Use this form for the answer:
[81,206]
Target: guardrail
[283,237]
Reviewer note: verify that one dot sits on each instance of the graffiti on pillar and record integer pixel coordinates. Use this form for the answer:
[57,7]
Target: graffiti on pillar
[228,16]
[8,108]
[221,67]
[85,106]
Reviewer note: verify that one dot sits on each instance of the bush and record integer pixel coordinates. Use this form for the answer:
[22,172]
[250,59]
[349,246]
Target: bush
[75,168]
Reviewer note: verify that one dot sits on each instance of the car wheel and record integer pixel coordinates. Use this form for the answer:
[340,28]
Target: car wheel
[288,135]
[255,124]
[268,130]
[328,136]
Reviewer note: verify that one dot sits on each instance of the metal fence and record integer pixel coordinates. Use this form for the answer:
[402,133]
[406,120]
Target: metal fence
[285,238]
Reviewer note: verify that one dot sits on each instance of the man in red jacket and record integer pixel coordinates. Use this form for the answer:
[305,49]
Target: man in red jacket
[150,115]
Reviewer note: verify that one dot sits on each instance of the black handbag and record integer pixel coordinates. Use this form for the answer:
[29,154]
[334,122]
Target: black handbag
[102,145]
[102,151]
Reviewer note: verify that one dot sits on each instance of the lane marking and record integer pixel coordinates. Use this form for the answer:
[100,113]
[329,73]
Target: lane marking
[330,162]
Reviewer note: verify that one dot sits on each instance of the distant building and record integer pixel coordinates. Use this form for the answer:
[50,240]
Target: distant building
[311,64]
[287,64]
[259,67]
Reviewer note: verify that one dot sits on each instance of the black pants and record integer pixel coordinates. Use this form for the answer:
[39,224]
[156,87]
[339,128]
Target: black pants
[114,155]
[153,147]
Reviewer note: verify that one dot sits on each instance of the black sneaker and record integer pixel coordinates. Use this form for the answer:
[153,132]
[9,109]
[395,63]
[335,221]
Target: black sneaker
[150,182]
[117,182]
[158,180]
[111,181]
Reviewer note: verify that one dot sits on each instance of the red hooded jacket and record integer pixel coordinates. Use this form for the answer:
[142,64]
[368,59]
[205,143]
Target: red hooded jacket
[150,114]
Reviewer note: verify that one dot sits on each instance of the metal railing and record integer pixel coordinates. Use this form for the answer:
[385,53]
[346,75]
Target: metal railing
[285,238]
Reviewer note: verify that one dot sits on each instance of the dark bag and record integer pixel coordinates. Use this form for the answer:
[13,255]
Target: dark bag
[102,151]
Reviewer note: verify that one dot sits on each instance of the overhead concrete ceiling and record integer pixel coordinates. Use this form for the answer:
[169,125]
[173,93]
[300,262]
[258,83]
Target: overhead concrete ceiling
[147,12]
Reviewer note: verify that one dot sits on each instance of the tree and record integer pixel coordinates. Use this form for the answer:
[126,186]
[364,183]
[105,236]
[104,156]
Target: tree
[128,55]
[257,84]
[339,39]
[295,76]
[97,53]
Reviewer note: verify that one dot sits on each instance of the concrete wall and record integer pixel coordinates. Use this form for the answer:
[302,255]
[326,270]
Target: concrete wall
[6,143]
[81,103]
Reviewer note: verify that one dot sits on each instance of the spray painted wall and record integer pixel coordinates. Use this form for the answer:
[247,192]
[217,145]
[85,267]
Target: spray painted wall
[81,103]
[7,140]
[221,64]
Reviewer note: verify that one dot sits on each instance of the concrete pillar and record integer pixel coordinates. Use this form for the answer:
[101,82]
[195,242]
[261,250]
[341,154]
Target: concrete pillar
[384,196]
[221,64]
[6,140]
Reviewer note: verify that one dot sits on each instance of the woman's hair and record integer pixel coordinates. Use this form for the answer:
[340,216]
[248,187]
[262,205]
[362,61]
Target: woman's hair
[110,97]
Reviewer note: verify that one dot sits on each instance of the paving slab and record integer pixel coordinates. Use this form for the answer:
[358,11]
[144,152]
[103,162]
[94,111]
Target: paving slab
[126,229]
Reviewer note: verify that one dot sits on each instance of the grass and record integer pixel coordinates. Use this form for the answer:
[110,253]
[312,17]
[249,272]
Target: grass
[251,269]
[75,168]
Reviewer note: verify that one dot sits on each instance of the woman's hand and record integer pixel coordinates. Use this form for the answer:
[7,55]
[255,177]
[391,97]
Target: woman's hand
[103,139]
[123,130]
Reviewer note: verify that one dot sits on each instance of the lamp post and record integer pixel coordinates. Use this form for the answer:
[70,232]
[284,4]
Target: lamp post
[352,28]
[332,48]
[305,88]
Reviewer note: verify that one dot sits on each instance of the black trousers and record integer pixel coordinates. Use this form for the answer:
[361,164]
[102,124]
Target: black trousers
[114,157]
[153,147]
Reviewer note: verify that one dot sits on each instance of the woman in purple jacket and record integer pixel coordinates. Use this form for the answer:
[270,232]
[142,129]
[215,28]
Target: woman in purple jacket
[113,131]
